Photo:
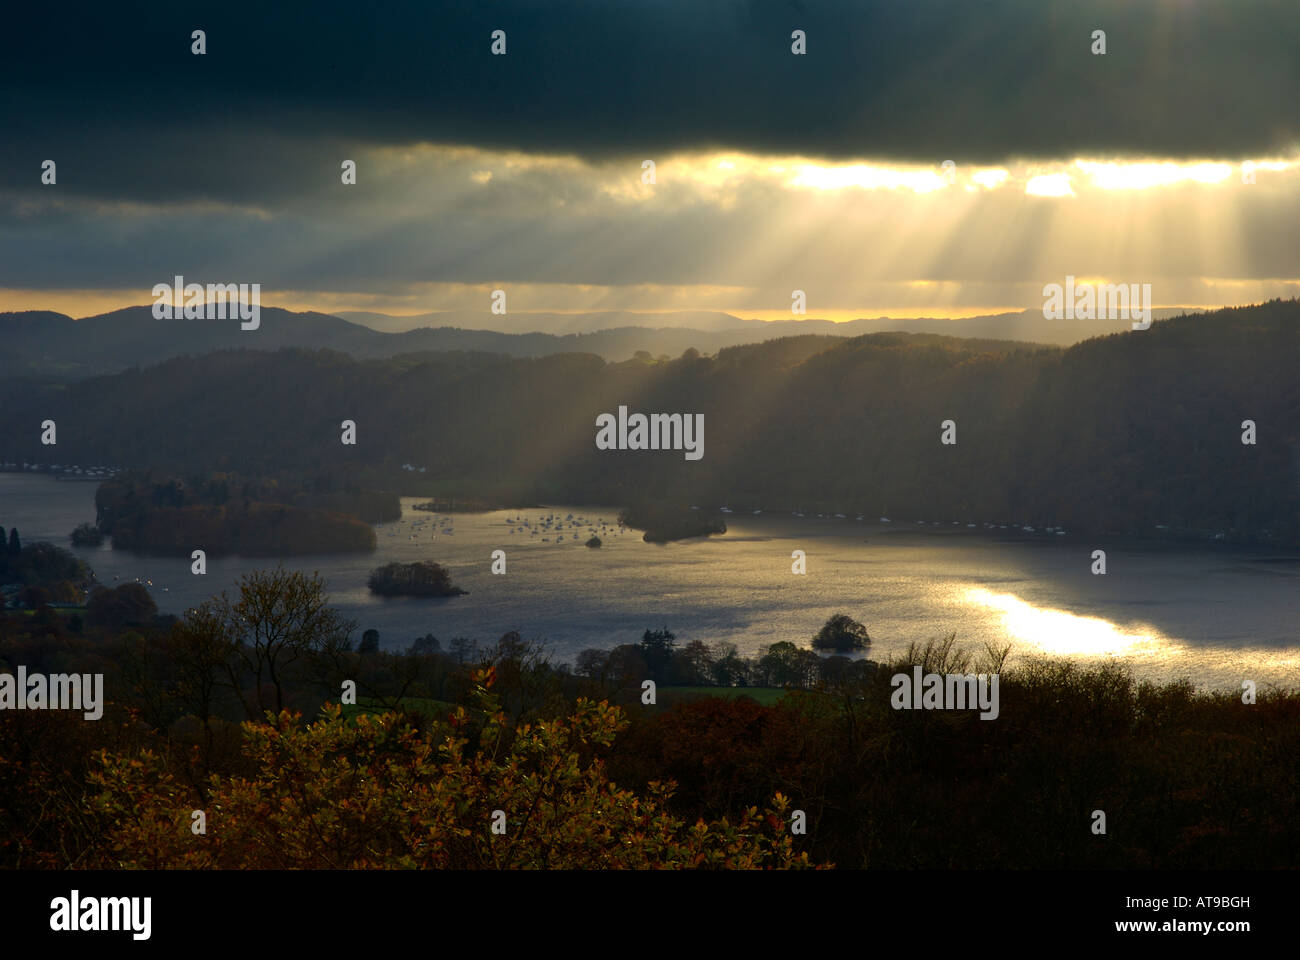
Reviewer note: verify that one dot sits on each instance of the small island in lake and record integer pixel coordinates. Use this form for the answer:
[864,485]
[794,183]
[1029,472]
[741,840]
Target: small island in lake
[665,522]
[842,634]
[466,505]
[424,578]
[224,513]
[87,535]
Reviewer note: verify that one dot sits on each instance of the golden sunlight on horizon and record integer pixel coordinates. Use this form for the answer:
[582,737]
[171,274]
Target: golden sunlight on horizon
[857,236]
[80,304]
[1035,178]
[877,313]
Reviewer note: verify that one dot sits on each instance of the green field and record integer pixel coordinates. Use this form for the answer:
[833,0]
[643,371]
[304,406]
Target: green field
[61,611]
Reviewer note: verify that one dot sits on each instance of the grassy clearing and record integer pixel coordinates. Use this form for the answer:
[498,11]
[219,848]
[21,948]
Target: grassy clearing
[64,612]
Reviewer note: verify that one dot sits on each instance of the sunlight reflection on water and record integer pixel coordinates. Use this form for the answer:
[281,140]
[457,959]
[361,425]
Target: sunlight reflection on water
[1060,633]
[1217,614]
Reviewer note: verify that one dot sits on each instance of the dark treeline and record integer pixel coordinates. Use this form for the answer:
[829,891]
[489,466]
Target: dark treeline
[663,522]
[1117,434]
[204,714]
[40,573]
[225,513]
[319,491]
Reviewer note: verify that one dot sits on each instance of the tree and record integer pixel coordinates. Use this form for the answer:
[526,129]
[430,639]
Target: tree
[726,754]
[839,671]
[780,665]
[425,645]
[15,547]
[729,668]
[464,649]
[374,793]
[592,663]
[424,578]
[693,665]
[841,632]
[46,564]
[369,642]
[200,648]
[657,648]
[525,679]
[34,597]
[281,617]
[128,605]
[87,535]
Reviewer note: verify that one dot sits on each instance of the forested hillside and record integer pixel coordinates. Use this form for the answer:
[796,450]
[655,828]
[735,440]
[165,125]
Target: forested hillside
[1117,434]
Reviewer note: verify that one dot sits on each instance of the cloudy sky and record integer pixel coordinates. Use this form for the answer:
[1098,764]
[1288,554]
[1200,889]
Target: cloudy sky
[924,157]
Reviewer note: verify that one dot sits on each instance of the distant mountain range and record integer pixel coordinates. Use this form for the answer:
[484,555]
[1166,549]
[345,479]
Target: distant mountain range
[43,343]
[1025,325]
[1138,433]
[559,324]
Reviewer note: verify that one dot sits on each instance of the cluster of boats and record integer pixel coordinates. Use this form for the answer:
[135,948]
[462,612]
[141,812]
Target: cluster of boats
[434,525]
[1053,529]
[546,528]
[1024,528]
[61,471]
[558,529]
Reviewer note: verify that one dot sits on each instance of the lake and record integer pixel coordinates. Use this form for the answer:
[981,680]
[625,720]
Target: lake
[1216,614]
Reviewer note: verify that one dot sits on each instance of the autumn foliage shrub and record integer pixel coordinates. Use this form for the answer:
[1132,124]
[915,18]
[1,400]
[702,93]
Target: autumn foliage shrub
[374,793]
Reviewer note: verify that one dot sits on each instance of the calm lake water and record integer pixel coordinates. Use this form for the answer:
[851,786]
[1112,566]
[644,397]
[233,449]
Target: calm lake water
[1216,614]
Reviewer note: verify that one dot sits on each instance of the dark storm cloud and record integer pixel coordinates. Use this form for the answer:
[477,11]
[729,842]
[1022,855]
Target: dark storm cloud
[114,91]
[227,165]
